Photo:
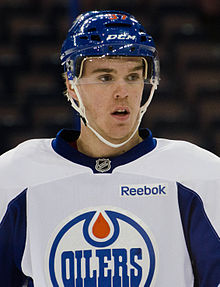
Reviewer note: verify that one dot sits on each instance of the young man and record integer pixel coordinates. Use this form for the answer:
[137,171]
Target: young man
[111,205]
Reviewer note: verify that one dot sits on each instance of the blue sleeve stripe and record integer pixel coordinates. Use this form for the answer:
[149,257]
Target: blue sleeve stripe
[12,242]
[201,238]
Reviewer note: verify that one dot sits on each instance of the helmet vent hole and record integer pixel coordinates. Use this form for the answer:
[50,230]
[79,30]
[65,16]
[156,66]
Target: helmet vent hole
[95,38]
[143,39]
[84,37]
[132,49]
[92,29]
[110,48]
[116,25]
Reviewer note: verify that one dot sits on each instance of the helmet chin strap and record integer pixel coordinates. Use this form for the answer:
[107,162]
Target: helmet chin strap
[81,110]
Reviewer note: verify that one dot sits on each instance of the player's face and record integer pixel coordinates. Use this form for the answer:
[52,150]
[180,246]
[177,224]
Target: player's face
[111,91]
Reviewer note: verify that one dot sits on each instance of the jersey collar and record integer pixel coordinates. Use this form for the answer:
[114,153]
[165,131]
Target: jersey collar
[101,165]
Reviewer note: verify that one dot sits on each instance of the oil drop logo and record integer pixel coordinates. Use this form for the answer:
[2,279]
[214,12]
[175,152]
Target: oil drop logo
[101,247]
[101,228]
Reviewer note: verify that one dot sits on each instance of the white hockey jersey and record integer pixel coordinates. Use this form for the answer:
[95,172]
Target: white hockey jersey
[149,217]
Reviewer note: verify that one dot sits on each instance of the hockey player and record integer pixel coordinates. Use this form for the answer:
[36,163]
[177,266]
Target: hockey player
[111,205]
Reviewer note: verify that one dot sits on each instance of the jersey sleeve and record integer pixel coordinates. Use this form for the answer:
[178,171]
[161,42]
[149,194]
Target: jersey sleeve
[12,243]
[202,240]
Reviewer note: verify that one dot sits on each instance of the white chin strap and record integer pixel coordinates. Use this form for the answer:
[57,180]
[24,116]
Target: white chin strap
[81,110]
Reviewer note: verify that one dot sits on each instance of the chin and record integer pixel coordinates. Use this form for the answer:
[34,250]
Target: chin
[117,134]
[119,137]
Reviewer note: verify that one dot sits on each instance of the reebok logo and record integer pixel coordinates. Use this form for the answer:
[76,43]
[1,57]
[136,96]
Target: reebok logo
[142,190]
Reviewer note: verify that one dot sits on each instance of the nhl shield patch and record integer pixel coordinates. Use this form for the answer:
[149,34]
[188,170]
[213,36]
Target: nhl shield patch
[103,165]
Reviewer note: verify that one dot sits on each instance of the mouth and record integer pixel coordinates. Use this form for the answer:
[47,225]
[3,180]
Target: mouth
[121,113]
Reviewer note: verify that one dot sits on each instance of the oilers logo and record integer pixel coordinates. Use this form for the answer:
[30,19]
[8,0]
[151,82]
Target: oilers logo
[101,247]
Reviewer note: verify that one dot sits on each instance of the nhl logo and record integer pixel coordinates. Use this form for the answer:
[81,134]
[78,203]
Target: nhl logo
[103,164]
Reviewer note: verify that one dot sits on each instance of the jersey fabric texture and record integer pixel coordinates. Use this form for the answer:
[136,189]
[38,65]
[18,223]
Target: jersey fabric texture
[149,217]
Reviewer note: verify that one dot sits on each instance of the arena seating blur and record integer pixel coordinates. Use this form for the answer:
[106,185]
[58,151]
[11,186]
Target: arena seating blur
[186,105]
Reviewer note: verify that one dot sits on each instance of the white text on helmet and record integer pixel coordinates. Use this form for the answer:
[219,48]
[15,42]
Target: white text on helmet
[121,37]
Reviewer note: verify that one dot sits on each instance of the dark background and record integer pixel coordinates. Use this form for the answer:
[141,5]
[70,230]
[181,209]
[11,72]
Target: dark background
[187,34]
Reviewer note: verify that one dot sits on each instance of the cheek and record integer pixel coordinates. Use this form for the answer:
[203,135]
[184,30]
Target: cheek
[137,97]
[93,100]
[86,94]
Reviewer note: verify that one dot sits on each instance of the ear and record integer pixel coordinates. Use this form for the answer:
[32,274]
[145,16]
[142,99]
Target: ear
[70,89]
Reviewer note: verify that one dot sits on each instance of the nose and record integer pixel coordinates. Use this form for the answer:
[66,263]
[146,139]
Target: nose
[120,90]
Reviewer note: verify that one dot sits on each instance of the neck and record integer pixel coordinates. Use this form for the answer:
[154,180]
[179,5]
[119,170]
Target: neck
[90,145]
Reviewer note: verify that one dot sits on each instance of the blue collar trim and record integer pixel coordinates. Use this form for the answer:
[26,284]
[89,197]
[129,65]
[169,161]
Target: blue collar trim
[61,146]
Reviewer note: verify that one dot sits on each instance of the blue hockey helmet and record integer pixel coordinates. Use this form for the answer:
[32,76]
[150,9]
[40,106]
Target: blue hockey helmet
[108,33]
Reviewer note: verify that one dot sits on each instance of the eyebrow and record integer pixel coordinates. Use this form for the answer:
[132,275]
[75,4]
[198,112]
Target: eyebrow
[138,67]
[107,70]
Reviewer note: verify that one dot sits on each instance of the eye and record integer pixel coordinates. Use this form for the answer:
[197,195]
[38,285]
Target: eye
[133,77]
[105,78]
